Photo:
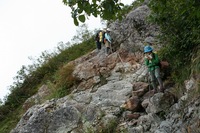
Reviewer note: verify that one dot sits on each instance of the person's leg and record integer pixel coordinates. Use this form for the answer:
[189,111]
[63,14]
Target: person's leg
[158,76]
[108,50]
[98,45]
[107,47]
[153,80]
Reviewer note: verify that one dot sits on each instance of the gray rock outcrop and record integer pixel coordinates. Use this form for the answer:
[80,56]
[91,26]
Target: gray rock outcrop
[114,92]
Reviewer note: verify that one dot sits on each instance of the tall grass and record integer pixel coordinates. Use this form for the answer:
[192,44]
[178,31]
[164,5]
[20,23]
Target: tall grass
[53,69]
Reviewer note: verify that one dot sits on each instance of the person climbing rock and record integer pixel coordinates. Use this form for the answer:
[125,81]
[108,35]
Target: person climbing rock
[102,36]
[97,40]
[152,62]
[108,41]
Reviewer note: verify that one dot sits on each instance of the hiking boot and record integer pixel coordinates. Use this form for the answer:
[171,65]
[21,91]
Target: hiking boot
[162,90]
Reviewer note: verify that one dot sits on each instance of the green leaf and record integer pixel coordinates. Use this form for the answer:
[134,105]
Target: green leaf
[82,18]
[94,1]
[80,11]
[64,1]
[95,14]
[76,22]
[121,4]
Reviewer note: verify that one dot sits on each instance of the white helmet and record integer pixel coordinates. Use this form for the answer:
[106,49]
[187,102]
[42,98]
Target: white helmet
[108,29]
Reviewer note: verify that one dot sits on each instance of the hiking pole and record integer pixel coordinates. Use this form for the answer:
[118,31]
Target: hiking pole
[120,59]
[117,55]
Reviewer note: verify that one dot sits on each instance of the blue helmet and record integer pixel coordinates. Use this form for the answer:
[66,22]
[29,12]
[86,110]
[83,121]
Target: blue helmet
[147,49]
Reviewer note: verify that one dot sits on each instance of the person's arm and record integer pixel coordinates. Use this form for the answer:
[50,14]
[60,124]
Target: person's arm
[152,62]
[155,60]
[148,63]
[110,40]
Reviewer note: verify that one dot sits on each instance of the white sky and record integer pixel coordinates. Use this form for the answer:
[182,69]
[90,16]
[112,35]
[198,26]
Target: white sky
[29,27]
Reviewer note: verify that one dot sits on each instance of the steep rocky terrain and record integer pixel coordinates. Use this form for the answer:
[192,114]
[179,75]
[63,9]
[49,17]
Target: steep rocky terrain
[114,92]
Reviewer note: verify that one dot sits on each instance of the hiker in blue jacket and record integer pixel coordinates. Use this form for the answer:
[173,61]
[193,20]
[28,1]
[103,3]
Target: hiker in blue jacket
[108,41]
[152,62]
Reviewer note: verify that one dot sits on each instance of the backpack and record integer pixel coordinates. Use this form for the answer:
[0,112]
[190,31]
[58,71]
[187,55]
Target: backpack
[163,64]
[97,38]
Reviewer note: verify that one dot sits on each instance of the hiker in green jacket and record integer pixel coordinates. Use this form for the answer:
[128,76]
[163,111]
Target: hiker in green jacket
[152,62]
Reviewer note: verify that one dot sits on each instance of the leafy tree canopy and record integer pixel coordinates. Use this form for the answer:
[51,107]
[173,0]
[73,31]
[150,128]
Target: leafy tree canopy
[179,22]
[106,9]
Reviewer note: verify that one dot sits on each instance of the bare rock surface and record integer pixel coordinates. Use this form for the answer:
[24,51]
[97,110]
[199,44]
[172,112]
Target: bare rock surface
[114,91]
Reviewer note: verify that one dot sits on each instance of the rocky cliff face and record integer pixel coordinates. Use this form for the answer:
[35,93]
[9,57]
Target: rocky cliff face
[114,92]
